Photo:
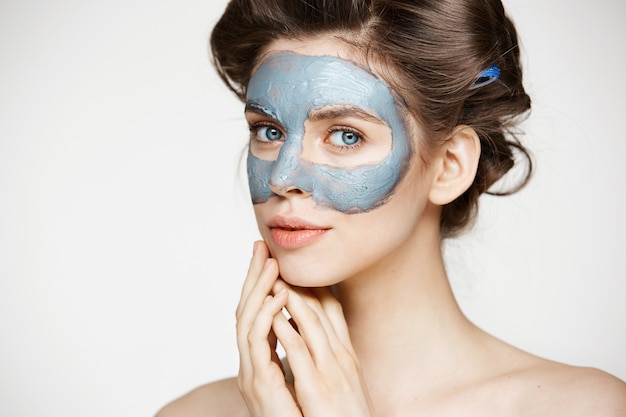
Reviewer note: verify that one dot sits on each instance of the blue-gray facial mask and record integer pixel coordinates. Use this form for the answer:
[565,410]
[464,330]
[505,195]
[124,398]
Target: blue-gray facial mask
[287,87]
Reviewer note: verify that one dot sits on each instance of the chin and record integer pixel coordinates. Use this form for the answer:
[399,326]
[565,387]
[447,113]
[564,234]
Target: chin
[300,274]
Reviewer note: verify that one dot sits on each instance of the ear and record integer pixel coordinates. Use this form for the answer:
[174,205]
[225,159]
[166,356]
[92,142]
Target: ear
[456,167]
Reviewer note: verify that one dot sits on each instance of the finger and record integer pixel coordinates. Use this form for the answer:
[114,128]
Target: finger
[312,323]
[298,354]
[323,302]
[273,341]
[255,299]
[334,311]
[261,339]
[311,298]
[294,325]
[260,253]
[263,385]
[256,347]
[249,311]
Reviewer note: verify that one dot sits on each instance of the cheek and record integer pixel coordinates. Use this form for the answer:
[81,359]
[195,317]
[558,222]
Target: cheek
[354,190]
[357,190]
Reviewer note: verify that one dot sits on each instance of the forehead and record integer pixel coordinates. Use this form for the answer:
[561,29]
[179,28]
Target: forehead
[291,82]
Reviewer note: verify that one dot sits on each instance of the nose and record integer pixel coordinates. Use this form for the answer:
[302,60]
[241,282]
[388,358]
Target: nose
[289,175]
[288,190]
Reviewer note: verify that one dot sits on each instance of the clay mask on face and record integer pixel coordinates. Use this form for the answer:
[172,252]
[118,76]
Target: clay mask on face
[287,87]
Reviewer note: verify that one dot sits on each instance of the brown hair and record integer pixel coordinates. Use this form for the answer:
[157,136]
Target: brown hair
[435,50]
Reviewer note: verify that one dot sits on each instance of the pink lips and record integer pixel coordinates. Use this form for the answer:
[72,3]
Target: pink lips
[293,233]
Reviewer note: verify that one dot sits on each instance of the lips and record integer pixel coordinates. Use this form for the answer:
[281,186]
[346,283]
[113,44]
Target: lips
[294,233]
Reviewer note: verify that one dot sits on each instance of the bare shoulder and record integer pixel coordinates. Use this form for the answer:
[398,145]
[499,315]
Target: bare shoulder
[555,389]
[217,399]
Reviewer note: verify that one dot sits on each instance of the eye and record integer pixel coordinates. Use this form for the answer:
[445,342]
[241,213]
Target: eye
[268,134]
[344,138]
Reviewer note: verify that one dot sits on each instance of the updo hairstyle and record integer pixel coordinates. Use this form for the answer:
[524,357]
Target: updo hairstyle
[434,51]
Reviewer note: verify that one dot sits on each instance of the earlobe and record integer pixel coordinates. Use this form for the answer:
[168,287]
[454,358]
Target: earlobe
[457,166]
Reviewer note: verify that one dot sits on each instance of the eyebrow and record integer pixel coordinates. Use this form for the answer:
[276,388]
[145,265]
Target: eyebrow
[342,112]
[317,115]
[257,109]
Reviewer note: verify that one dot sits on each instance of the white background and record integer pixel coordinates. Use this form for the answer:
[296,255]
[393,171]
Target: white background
[125,226]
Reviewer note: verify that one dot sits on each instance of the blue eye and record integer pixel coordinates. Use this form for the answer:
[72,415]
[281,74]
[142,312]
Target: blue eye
[269,134]
[344,138]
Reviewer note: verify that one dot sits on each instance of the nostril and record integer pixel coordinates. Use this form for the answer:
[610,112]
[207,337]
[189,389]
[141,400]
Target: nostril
[293,190]
[290,176]
[280,187]
[288,189]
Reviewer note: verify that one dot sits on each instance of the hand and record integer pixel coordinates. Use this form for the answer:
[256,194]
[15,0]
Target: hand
[261,377]
[327,378]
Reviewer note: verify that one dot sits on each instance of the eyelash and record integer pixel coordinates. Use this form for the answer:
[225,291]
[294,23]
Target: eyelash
[254,133]
[344,148]
[255,127]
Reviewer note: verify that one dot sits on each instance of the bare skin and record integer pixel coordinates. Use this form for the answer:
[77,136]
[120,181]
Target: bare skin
[479,376]
[387,338]
[546,389]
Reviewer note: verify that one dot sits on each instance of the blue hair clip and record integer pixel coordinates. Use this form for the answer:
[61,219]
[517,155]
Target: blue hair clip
[486,76]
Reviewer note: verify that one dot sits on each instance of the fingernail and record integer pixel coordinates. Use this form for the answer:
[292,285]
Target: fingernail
[255,247]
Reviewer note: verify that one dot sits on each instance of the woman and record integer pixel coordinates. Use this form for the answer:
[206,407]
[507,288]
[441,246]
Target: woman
[375,126]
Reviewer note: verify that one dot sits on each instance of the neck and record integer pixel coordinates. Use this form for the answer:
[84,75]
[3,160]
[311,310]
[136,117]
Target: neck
[404,320]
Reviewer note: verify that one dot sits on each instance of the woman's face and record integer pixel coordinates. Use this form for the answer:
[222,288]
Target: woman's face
[332,166]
